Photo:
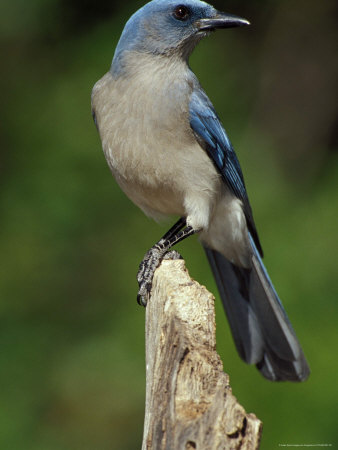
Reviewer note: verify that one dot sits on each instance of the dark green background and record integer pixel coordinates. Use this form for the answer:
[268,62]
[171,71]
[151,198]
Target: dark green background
[72,370]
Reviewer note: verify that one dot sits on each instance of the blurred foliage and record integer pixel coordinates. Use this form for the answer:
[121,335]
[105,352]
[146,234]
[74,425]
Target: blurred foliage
[71,334]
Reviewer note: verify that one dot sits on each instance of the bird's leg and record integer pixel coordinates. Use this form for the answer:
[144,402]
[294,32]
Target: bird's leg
[154,256]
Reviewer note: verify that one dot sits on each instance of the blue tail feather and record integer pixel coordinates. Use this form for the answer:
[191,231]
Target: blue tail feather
[261,330]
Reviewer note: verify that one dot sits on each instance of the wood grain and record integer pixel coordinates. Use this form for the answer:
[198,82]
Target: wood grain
[189,402]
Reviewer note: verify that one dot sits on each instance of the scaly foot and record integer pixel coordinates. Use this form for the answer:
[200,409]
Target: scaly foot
[149,264]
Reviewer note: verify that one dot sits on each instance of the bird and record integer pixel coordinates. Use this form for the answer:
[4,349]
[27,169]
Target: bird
[169,153]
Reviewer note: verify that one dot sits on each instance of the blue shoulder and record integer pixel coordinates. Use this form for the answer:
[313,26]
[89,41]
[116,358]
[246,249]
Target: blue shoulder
[213,139]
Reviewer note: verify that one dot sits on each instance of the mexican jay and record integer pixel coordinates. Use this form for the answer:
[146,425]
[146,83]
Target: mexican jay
[168,151]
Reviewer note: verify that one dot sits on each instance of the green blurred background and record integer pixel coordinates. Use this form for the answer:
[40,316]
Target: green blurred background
[72,372]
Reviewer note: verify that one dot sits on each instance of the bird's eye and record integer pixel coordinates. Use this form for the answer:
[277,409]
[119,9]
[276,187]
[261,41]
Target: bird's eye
[181,12]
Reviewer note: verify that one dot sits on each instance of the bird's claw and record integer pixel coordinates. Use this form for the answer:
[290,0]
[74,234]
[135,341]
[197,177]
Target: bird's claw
[143,295]
[149,264]
[146,272]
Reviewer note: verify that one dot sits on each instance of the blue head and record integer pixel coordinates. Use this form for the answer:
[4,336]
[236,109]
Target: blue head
[168,27]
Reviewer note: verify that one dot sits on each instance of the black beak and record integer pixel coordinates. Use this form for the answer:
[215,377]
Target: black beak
[221,20]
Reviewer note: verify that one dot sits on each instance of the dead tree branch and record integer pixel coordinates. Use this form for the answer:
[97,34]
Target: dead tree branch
[189,402]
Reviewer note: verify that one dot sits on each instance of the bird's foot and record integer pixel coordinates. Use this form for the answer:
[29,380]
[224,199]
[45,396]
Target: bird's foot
[145,274]
[149,264]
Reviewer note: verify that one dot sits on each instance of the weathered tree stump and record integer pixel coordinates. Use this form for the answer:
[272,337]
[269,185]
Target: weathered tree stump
[189,402]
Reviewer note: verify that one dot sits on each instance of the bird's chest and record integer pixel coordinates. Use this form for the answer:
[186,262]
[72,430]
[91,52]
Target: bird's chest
[148,142]
[145,126]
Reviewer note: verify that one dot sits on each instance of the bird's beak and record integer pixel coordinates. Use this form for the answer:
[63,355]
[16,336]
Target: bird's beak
[220,20]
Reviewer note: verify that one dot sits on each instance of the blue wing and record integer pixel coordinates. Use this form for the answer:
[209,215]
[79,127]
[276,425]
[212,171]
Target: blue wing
[213,139]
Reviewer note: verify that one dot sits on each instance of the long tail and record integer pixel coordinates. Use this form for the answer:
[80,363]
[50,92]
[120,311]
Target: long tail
[260,327]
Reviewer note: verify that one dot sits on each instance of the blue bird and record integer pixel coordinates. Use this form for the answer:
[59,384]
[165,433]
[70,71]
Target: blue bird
[168,151]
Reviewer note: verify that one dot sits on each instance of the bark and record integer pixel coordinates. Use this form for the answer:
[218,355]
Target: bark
[189,402]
